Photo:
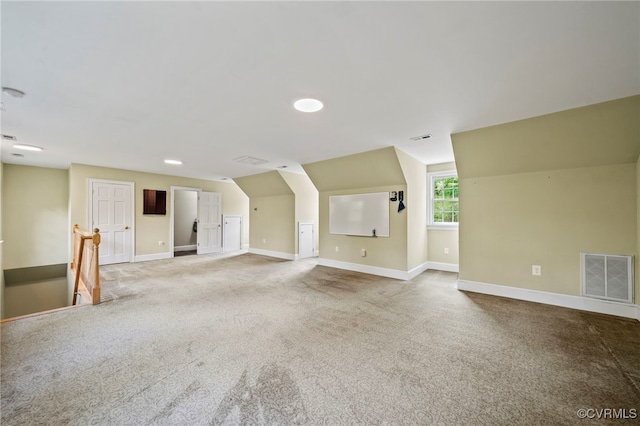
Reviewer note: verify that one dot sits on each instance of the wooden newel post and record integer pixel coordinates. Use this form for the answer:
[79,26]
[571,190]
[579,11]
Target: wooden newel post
[95,238]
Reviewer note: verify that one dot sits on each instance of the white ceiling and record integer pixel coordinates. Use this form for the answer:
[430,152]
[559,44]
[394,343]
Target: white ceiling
[127,85]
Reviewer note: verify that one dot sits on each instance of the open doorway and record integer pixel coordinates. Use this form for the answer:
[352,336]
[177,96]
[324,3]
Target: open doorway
[185,222]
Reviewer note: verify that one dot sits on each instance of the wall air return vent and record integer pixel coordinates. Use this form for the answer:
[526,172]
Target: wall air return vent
[607,276]
[252,161]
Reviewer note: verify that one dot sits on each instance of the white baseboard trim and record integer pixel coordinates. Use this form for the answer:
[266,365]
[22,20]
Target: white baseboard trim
[418,270]
[185,248]
[447,267]
[373,270]
[156,256]
[278,254]
[564,300]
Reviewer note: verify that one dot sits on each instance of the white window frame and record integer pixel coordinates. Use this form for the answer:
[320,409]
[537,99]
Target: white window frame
[430,223]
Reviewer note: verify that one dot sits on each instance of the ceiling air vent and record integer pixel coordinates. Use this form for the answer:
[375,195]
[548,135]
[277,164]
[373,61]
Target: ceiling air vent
[15,154]
[420,138]
[9,137]
[252,161]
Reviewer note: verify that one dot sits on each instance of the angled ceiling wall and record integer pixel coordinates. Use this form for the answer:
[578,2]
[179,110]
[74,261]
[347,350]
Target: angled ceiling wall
[596,135]
[365,170]
[267,184]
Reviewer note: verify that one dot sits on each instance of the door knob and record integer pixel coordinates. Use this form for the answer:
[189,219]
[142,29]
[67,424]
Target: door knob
[126,227]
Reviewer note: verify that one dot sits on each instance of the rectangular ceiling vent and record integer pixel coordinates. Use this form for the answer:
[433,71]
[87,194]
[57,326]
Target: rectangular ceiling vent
[607,276]
[252,161]
[420,138]
[9,137]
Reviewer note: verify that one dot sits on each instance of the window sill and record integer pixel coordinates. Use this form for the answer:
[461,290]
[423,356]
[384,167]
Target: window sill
[443,227]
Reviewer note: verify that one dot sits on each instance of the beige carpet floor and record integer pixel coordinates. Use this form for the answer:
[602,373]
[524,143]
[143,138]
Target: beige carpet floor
[201,340]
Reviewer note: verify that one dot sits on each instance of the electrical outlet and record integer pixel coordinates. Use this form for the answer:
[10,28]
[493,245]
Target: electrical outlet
[536,270]
[446,250]
[160,243]
[337,248]
[363,252]
[264,241]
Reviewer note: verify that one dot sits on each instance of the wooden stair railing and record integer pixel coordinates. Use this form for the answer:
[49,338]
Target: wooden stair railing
[85,265]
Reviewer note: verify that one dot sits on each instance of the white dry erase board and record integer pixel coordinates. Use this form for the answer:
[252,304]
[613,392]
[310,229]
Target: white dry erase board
[359,214]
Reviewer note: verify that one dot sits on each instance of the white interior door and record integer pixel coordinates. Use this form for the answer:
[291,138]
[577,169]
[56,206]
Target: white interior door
[305,240]
[112,213]
[209,227]
[232,232]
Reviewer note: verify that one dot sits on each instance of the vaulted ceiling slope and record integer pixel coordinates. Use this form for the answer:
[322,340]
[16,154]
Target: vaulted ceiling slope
[604,134]
[130,84]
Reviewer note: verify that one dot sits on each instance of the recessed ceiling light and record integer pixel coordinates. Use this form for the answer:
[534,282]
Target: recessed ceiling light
[14,93]
[27,147]
[308,105]
[176,162]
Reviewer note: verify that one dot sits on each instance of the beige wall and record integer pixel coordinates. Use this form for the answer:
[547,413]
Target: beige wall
[382,252]
[35,216]
[441,239]
[596,135]
[545,218]
[282,199]
[542,190]
[373,171]
[307,203]
[415,200]
[442,167]
[369,169]
[185,212]
[637,260]
[149,229]
[28,298]
[273,223]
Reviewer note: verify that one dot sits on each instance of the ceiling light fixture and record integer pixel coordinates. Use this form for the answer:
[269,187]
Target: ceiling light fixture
[14,93]
[27,147]
[308,105]
[175,162]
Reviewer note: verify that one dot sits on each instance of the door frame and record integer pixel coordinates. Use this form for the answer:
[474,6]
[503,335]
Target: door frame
[132,186]
[173,202]
[224,230]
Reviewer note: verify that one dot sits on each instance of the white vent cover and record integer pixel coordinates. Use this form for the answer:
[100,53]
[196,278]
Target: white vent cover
[607,276]
[252,161]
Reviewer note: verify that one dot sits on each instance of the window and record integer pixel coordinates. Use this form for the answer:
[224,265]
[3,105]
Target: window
[443,199]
